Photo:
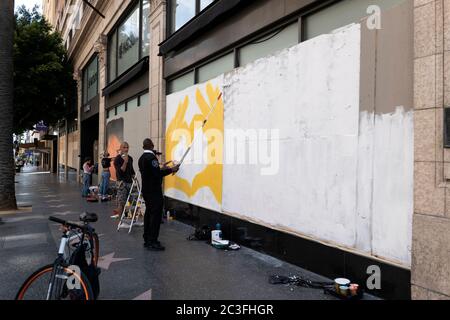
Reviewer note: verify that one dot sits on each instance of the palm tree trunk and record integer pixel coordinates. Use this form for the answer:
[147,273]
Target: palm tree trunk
[7,186]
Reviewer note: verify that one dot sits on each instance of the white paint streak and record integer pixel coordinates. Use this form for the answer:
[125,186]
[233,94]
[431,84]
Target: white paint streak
[385,185]
[393,191]
[311,93]
[365,183]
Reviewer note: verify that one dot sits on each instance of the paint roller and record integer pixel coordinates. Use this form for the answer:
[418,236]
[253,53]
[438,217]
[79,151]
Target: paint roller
[203,125]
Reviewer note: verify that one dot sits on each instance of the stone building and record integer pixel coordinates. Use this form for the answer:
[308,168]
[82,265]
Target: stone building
[114,52]
[343,101]
[430,271]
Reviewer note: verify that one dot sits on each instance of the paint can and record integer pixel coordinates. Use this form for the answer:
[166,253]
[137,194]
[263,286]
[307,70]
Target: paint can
[216,235]
[341,282]
[343,290]
[354,289]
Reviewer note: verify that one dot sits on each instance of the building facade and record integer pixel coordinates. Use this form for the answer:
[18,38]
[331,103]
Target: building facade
[316,129]
[431,228]
[115,71]
[343,92]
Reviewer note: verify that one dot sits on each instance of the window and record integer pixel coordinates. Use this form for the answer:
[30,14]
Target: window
[132,104]
[130,42]
[181,83]
[143,100]
[282,38]
[112,54]
[205,3]
[341,14]
[184,10]
[120,109]
[145,35]
[90,81]
[278,40]
[125,106]
[216,67]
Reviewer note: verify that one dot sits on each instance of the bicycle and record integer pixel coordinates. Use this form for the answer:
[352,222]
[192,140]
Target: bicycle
[74,273]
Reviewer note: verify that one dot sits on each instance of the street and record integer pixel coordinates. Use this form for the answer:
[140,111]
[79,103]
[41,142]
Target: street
[188,270]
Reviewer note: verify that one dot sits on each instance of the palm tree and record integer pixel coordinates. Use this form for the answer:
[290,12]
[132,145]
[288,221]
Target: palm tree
[7,186]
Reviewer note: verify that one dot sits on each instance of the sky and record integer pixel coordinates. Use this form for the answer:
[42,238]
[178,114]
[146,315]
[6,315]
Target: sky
[28,3]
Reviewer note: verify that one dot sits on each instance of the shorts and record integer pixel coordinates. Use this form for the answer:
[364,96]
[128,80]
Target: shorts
[122,192]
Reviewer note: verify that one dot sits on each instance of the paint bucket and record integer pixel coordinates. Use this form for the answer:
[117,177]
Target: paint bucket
[354,289]
[341,282]
[343,290]
[216,235]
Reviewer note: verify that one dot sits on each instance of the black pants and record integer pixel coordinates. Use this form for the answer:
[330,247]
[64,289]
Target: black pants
[152,218]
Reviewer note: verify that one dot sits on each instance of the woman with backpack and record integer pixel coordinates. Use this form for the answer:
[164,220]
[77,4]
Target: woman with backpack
[106,175]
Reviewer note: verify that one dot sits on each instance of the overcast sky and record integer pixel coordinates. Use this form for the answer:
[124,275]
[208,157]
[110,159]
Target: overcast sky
[29,3]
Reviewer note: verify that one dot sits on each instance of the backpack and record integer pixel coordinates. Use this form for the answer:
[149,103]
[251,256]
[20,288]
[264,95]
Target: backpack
[201,234]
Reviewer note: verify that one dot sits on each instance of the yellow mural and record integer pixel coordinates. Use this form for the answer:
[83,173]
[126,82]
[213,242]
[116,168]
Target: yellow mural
[211,176]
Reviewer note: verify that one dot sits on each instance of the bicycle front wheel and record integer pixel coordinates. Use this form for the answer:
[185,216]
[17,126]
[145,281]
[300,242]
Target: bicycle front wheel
[95,247]
[66,285]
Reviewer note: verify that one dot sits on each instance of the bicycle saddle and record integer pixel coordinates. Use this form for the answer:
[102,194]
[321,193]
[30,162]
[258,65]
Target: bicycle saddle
[88,217]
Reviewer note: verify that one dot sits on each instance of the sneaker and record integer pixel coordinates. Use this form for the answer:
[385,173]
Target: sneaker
[116,216]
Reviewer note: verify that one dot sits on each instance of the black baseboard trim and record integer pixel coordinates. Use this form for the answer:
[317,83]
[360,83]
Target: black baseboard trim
[316,257]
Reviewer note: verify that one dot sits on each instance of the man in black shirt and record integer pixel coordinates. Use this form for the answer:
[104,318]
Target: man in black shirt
[123,164]
[152,176]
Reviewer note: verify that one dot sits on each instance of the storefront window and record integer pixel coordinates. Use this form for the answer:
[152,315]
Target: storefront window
[184,10]
[132,104]
[145,28]
[90,81]
[85,82]
[281,39]
[128,45]
[120,109]
[143,100]
[181,83]
[342,14]
[112,54]
[205,3]
[130,42]
[216,67]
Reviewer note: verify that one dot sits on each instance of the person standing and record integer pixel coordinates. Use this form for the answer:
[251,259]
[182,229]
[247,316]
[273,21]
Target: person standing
[106,175]
[123,164]
[87,172]
[152,176]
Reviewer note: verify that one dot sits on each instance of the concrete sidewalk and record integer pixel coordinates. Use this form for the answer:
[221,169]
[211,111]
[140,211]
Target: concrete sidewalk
[186,270]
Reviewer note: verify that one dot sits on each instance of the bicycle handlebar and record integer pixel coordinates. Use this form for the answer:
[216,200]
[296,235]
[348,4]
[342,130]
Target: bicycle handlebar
[54,219]
[67,223]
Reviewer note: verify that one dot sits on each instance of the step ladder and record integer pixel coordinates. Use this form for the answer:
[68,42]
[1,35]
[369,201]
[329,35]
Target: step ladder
[134,208]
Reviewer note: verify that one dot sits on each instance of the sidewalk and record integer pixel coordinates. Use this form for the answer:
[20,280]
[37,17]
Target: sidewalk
[186,270]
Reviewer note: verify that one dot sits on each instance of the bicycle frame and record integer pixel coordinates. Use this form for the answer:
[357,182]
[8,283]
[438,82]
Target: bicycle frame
[57,264]
[60,261]
[70,265]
